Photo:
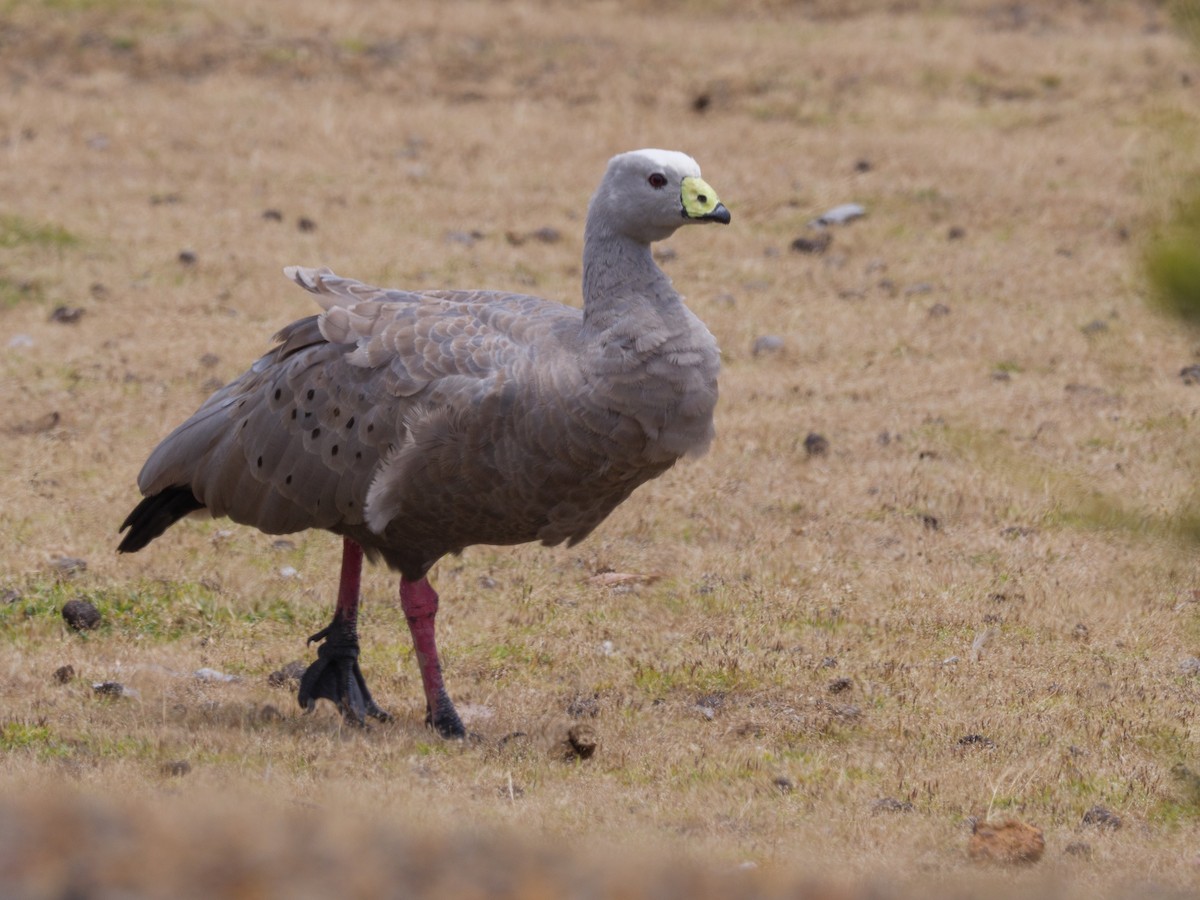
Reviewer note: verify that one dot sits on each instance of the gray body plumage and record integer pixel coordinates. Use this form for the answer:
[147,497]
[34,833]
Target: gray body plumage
[419,423]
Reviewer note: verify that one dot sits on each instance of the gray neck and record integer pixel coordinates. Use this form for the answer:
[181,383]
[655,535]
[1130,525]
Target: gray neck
[620,279]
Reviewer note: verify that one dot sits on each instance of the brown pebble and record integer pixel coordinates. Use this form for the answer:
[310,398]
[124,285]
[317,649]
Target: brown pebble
[582,741]
[272,215]
[816,444]
[891,805]
[814,245]
[1078,848]
[305,224]
[1010,842]
[80,614]
[187,257]
[66,315]
[176,768]
[1102,817]
[955,233]
[63,674]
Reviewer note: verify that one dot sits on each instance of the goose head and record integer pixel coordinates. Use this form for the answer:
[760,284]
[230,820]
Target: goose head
[646,195]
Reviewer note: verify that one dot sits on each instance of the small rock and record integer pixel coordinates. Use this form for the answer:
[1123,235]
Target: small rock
[839,685]
[209,360]
[783,784]
[282,544]
[582,741]
[176,768]
[976,740]
[707,711]
[1080,632]
[305,224]
[1102,817]
[584,707]
[1096,326]
[1189,665]
[187,257]
[931,522]
[607,648]
[64,674]
[1078,848]
[921,287]
[66,315]
[269,713]
[939,311]
[847,712]
[288,572]
[701,102]
[1190,374]
[272,215]
[291,673]
[80,614]
[862,165]
[813,245]
[113,689]
[956,233]
[466,238]
[890,805]
[766,343]
[816,444]
[1010,842]
[543,235]
[840,215]
[829,662]
[213,675]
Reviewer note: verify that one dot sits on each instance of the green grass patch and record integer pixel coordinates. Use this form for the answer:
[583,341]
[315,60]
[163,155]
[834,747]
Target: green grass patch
[18,232]
[22,737]
[163,610]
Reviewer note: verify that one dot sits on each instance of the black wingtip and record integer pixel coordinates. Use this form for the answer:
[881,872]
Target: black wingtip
[154,515]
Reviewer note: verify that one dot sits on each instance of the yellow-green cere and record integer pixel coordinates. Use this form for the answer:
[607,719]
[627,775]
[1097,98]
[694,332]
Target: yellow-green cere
[698,198]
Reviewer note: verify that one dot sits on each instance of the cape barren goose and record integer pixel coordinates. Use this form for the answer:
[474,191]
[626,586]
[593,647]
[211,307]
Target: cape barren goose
[415,424]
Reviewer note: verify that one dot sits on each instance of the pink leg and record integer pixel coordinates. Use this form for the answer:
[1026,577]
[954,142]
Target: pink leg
[350,584]
[420,603]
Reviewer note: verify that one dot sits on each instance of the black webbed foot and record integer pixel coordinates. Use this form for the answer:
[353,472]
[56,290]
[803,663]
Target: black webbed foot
[444,718]
[336,676]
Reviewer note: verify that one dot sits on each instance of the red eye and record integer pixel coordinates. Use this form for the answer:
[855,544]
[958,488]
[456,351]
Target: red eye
[657,180]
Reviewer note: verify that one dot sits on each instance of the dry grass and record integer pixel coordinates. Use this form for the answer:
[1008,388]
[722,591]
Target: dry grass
[1010,465]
